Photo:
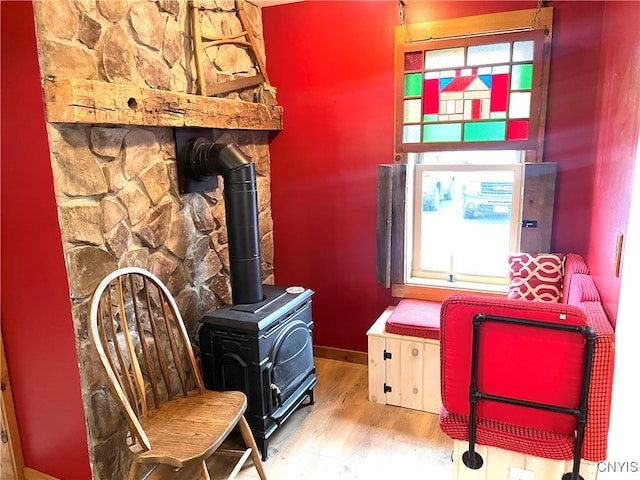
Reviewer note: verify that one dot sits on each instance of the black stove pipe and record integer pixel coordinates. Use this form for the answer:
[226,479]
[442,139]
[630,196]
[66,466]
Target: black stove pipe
[241,210]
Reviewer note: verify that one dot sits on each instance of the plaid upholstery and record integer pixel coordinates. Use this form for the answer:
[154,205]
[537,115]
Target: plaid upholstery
[582,290]
[416,318]
[597,428]
[530,433]
[573,264]
[529,441]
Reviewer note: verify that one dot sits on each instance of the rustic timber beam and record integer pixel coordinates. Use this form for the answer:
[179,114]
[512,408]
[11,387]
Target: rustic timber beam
[72,100]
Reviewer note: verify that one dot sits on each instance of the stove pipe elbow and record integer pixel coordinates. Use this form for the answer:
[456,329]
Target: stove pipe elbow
[241,211]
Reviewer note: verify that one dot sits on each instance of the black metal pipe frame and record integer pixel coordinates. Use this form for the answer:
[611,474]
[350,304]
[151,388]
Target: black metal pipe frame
[471,458]
[206,158]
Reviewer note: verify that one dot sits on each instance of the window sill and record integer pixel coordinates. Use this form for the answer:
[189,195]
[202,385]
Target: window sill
[438,290]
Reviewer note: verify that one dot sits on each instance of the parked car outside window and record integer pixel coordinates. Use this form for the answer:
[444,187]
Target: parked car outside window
[488,194]
[436,186]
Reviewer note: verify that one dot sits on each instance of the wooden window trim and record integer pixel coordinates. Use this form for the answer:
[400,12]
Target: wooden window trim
[502,22]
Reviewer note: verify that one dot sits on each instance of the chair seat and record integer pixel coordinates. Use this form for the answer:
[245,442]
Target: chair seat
[188,429]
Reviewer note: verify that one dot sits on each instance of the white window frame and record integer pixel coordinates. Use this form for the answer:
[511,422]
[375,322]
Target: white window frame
[414,275]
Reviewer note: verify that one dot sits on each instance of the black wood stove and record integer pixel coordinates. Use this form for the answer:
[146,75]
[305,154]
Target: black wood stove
[262,344]
[264,350]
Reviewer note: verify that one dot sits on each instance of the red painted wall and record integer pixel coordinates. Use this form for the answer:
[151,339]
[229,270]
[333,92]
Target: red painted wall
[324,58]
[615,147]
[37,326]
[332,63]
[572,119]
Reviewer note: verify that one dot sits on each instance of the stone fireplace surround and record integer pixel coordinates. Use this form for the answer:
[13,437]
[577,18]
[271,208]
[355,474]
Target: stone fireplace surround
[115,178]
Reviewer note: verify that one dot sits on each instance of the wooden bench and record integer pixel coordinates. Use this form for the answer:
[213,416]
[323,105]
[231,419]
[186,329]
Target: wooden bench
[404,370]
[503,464]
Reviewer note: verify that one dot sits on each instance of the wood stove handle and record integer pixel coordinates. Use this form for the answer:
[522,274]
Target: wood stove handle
[276,394]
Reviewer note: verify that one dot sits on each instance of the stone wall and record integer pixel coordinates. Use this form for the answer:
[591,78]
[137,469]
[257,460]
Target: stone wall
[116,186]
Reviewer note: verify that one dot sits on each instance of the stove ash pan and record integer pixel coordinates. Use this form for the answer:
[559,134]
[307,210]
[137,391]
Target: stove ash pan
[264,350]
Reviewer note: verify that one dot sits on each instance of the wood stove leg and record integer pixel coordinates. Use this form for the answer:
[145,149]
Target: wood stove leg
[264,448]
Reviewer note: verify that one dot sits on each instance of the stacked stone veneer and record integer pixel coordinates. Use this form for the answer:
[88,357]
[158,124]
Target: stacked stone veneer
[116,187]
[142,42]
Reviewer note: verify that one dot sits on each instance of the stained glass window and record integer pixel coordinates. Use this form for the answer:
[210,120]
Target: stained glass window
[472,93]
[470,108]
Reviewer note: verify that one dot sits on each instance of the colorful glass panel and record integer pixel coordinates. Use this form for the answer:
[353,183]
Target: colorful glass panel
[413,85]
[484,131]
[519,104]
[431,95]
[521,77]
[489,54]
[475,105]
[411,134]
[499,89]
[445,58]
[468,94]
[518,130]
[445,132]
[413,61]
[523,51]
[412,111]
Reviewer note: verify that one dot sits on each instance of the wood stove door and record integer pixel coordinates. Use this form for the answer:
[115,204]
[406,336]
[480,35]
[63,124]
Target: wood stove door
[291,367]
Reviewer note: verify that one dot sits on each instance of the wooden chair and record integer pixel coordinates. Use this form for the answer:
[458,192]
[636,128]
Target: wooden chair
[144,347]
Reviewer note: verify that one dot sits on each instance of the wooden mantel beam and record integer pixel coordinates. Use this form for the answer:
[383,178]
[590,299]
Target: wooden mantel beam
[71,100]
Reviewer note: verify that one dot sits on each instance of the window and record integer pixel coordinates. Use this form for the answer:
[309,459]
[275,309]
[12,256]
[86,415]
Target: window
[463,222]
[470,116]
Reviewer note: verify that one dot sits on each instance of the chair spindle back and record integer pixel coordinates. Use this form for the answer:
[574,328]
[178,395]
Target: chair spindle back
[142,342]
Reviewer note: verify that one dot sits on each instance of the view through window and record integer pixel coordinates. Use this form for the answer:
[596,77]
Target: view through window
[465,216]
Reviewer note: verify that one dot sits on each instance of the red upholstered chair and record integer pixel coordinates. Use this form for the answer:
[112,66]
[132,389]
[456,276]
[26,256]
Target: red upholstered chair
[515,375]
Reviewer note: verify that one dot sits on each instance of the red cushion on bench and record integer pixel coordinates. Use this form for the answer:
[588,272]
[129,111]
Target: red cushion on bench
[416,318]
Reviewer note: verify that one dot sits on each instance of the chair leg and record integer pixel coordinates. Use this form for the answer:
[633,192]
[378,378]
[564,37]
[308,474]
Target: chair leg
[204,472]
[250,442]
[133,471]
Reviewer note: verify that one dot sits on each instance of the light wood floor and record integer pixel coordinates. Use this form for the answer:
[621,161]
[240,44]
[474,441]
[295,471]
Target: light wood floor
[344,436]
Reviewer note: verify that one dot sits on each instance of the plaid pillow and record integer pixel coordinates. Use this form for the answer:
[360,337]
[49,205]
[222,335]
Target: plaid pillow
[536,277]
